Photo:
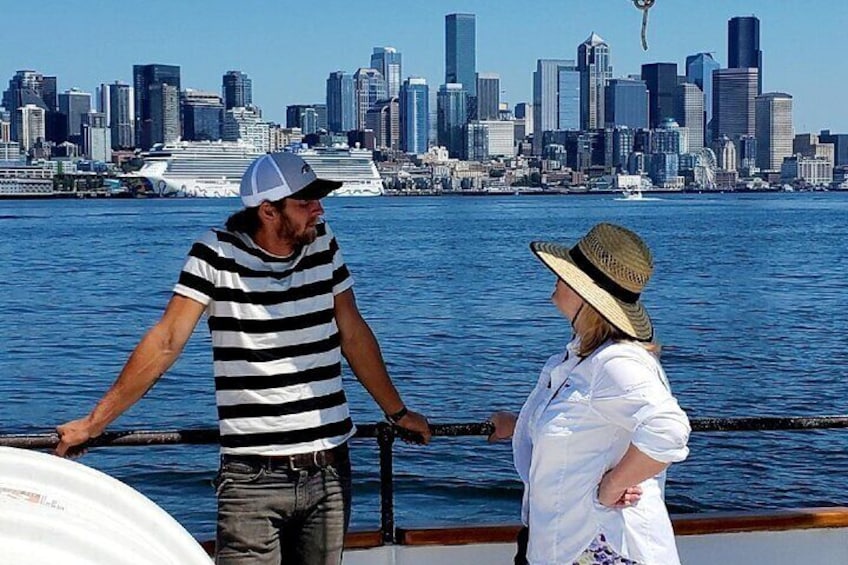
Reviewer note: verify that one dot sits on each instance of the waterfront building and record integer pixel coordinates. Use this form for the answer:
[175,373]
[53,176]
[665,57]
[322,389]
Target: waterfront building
[341,102]
[387,60]
[636,163]
[237,90]
[29,125]
[690,114]
[384,120]
[774,129]
[461,52]
[279,137]
[809,145]
[746,153]
[164,123]
[96,137]
[303,116]
[619,142]
[203,115]
[488,96]
[10,154]
[490,138]
[699,71]
[556,98]
[670,137]
[321,113]
[725,151]
[593,63]
[743,46]
[246,124]
[452,115]
[626,103]
[661,79]
[25,88]
[121,115]
[74,104]
[370,87]
[414,115]
[156,110]
[734,93]
[664,170]
[840,146]
[813,171]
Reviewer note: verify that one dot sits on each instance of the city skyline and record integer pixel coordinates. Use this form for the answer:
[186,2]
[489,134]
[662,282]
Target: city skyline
[290,64]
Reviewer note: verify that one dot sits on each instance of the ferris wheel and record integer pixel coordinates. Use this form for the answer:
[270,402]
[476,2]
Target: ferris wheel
[705,169]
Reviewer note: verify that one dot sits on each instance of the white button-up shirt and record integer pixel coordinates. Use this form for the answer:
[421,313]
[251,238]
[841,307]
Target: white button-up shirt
[577,424]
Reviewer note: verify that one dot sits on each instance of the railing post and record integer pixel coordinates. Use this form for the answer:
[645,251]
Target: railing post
[385,439]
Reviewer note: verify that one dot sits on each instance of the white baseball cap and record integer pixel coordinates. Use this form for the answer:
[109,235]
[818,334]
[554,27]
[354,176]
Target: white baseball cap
[281,175]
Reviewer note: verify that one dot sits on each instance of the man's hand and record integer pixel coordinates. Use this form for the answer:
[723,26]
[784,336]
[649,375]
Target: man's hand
[416,423]
[504,424]
[72,434]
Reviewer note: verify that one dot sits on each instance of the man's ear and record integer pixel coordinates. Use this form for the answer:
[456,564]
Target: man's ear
[267,211]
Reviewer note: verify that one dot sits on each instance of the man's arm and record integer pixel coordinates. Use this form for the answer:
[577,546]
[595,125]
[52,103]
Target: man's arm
[360,348]
[156,352]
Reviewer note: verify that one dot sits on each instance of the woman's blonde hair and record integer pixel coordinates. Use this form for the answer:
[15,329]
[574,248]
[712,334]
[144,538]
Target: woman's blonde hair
[593,331]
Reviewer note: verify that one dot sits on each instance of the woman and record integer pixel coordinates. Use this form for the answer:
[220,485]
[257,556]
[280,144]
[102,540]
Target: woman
[595,436]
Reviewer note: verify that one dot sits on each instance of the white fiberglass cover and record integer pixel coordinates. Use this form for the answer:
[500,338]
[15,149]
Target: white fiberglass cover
[54,510]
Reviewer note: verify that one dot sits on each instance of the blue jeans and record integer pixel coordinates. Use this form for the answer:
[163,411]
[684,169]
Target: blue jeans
[269,514]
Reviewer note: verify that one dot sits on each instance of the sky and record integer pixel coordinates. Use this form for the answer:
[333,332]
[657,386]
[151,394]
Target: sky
[288,47]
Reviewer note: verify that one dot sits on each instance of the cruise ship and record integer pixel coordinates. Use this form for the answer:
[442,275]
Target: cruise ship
[213,169]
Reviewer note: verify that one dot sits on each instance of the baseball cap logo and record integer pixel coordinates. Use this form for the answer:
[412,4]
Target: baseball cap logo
[305,169]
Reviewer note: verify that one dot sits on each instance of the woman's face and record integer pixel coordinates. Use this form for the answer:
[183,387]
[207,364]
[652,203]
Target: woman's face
[566,300]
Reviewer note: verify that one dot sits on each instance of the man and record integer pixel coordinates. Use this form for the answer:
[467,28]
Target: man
[282,312]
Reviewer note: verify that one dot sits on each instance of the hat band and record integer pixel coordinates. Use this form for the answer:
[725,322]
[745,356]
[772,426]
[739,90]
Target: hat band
[601,279]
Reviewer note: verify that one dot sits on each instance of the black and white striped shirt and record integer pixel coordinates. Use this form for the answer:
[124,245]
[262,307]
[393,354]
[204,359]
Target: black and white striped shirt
[275,341]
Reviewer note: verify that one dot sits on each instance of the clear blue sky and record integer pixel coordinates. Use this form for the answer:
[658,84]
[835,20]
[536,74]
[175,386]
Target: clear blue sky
[288,47]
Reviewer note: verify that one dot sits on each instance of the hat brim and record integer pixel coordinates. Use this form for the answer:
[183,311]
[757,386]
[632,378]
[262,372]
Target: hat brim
[316,190]
[631,318]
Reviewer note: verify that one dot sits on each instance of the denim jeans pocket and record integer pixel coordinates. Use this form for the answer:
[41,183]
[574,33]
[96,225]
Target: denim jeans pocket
[236,472]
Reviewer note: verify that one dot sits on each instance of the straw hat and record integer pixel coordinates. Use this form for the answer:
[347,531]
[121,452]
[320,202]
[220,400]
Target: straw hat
[608,269]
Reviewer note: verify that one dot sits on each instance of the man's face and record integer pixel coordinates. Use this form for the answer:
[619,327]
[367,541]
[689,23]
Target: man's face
[298,219]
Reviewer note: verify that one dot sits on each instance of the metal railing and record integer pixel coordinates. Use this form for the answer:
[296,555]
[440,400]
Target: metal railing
[386,435]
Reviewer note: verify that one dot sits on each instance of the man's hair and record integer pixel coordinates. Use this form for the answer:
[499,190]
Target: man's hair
[247,221]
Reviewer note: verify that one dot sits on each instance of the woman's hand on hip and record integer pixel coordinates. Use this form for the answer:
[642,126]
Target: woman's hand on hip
[613,496]
[504,425]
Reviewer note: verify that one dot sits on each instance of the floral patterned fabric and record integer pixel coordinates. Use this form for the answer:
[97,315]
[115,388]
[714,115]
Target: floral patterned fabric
[600,552]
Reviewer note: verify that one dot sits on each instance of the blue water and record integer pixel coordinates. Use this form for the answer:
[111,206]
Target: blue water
[747,300]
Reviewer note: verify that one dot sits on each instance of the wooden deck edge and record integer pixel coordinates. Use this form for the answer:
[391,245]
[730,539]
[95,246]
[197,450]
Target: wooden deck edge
[684,525]
[364,539]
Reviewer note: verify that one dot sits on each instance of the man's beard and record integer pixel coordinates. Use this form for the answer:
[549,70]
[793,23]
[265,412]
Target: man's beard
[289,233]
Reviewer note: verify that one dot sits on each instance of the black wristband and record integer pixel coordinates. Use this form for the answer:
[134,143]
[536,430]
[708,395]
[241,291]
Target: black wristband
[397,416]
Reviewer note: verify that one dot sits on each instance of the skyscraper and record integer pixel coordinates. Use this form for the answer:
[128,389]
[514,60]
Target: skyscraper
[96,136]
[414,115]
[593,62]
[146,80]
[164,113]
[734,91]
[774,129]
[121,115]
[74,104]
[387,60]
[556,98]
[341,102]
[370,87]
[626,103]
[743,46]
[461,55]
[203,115]
[25,87]
[488,96]
[451,118]
[237,89]
[30,125]
[690,113]
[661,79]
[699,71]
